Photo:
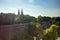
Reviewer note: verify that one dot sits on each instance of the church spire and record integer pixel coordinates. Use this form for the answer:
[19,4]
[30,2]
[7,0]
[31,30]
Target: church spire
[21,11]
[18,12]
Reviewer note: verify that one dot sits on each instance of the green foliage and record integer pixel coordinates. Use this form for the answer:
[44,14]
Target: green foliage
[58,30]
[51,33]
[39,31]
[28,19]
[25,19]
[17,19]
[31,28]
[40,19]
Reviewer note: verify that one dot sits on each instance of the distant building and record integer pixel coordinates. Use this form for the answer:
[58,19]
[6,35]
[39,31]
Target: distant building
[7,18]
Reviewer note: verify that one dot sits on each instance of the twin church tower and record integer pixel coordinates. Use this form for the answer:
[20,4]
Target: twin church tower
[20,13]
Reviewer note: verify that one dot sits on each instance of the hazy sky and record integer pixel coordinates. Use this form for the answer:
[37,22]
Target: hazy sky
[32,7]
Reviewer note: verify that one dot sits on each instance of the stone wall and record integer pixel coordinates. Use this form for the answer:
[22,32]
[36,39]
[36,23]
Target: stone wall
[8,31]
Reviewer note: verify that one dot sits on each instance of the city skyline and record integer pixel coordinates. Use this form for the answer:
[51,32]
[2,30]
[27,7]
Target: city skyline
[31,7]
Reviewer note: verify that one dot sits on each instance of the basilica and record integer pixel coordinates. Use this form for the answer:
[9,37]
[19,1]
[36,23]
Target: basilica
[20,12]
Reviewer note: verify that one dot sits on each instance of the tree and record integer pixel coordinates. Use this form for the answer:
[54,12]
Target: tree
[51,33]
[40,19]
[27,19]
[31,29]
